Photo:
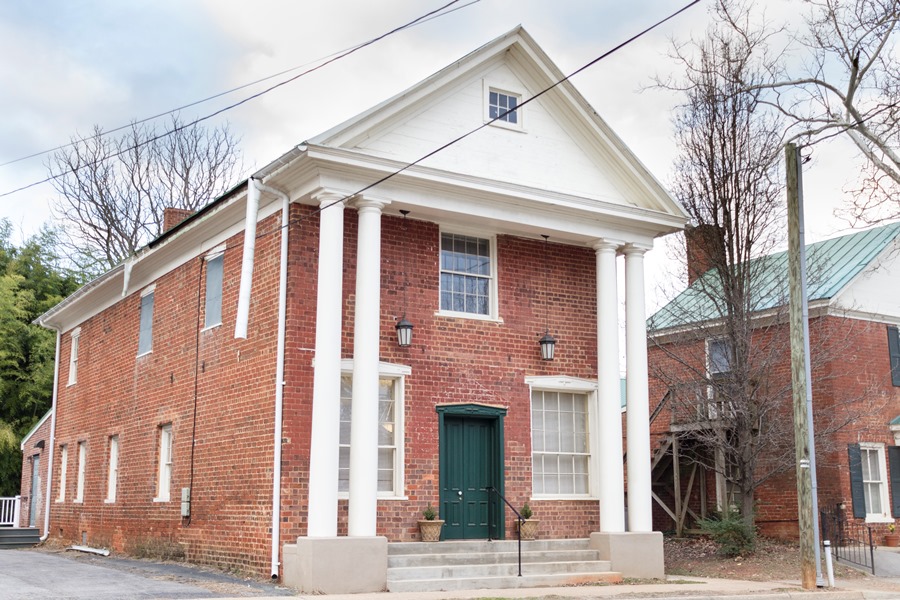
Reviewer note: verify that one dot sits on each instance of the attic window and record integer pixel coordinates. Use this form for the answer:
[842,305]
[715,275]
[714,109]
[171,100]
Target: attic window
[503,107]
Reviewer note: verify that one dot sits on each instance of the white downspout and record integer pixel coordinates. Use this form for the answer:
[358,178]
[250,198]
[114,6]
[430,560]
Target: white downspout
[279,375]
[243,307]
[52,445]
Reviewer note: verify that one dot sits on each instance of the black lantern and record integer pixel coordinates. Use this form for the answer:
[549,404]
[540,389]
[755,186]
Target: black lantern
[548,345]
[404,327]
[404,332]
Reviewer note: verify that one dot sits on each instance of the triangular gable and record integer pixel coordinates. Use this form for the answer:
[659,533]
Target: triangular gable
[562,145]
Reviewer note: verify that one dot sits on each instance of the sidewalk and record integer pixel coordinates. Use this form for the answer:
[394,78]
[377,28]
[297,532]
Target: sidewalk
[695,588]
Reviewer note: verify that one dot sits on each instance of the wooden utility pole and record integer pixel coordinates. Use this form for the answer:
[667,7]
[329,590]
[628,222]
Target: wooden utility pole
[798,375]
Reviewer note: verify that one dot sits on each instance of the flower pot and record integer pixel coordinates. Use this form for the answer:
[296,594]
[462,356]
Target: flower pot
[430,530]
[529,528]
[892,540]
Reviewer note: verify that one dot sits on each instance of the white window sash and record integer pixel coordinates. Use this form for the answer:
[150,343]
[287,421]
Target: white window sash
[82,466]
[113,469]
[164,482]
[63,463]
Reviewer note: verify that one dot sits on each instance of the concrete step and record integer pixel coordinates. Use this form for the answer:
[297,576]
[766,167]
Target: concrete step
[461,565]
[504,582]
[456,558]
[19,537]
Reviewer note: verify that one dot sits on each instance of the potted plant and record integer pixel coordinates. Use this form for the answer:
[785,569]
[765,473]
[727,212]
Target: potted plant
[430,526]
[529,527]
[892,538]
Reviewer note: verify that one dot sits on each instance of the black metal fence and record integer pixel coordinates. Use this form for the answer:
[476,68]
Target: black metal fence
[850,542]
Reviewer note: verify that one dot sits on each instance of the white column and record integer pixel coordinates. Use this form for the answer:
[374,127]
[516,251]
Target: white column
[612,485]
[637,419]
[366,336]
[326,410]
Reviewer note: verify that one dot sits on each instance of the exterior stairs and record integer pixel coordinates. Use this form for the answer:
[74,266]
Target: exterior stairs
[473,565]
[19,537]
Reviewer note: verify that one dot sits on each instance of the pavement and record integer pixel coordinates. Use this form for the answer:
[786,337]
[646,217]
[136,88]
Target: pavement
[33,575]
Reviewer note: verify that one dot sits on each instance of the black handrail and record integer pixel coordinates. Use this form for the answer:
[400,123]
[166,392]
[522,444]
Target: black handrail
[519,518]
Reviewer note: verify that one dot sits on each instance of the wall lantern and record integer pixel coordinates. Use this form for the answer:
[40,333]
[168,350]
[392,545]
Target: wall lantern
[404,327]
[547,342]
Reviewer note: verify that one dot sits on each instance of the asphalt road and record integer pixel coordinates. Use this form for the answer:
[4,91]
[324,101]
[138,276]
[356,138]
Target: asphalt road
[28,574]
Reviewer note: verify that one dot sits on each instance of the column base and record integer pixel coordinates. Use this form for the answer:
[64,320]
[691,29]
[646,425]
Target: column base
[638,555]
[336,565]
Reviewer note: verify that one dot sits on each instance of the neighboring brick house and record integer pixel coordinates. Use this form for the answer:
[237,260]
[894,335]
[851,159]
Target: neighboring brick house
[854,309]
[34,447]
[173,432]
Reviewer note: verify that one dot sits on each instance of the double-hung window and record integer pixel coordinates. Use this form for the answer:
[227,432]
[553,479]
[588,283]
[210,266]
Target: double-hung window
[82,466]
[719,364]
[145,337]
[894,351]
[467,275]
[112,476]
[503,107]
[869,482]
[560,444]
[164,476]
[390,430]
[73,355]
[214,275]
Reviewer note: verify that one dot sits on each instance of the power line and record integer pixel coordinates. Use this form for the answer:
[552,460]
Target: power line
[225,93]
[497,118]
[427,16]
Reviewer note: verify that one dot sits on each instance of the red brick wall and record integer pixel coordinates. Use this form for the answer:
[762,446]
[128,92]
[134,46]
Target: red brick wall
[452,360]
[32,449]
[853,401]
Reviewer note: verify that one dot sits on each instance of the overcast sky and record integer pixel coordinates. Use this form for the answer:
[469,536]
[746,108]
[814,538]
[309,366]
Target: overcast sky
[68,65]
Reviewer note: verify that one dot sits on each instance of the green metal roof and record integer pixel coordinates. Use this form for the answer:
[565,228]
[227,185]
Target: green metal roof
[831,265]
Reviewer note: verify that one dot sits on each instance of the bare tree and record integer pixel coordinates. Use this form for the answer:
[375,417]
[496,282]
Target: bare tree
[848,83]
[727,177]
[112,191]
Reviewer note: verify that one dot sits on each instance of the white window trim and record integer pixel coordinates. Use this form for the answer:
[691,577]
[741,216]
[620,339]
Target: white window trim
[519,125]
[164,466]
[112,472]
[578,386]
[82,468]
[398,373]
[884,517]
[150,289]
[74,347]
[63,462]
[494,311]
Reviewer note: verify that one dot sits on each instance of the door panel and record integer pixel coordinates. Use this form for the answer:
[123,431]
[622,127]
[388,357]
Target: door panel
[35,490]
[470,467]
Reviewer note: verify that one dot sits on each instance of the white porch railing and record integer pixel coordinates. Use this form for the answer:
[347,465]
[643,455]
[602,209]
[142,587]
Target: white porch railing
[9,511]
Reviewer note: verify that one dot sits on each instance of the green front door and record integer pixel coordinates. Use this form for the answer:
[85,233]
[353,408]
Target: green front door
[471,462]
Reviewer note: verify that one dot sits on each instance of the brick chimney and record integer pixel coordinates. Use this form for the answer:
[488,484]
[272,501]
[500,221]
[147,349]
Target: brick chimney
[173,216]
[704,250]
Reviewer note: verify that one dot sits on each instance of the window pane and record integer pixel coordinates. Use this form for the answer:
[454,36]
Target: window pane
[145,336]
[214,291]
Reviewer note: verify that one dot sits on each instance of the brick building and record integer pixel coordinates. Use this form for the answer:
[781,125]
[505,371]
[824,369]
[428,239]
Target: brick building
[855,356]
[34,481]
[238,384]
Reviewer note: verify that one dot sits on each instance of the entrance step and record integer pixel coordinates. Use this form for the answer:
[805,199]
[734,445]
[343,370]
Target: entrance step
[19,537]
[471,565]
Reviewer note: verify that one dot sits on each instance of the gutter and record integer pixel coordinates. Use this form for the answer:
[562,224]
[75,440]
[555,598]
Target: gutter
[52,445]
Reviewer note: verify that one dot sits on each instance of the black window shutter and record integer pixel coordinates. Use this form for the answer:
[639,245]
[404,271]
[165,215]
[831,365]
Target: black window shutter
[894,460]
[857,494]
[894,350]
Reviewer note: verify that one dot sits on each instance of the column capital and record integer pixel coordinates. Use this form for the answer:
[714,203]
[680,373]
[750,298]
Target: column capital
[636,248]
[606,244]
[326,197]
[363,202]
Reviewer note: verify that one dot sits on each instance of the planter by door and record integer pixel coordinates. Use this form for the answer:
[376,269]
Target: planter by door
[892,540]
[529,528]
[430,530]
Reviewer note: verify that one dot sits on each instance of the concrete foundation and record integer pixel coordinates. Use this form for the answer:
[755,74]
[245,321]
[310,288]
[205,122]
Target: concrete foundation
[638,555]
[336,565]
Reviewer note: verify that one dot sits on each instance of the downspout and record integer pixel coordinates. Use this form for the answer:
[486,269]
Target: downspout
[243,307]
[279,375]
[52,446]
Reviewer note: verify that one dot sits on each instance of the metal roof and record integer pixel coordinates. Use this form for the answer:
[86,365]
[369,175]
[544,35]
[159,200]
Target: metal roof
[831,265]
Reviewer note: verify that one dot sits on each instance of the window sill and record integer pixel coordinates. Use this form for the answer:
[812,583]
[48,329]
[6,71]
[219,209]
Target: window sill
[211,327]
[77,501]
[564,497]
[108,501]
[464,315]
[345,496]
[145,353]
[878,519]
[162,499]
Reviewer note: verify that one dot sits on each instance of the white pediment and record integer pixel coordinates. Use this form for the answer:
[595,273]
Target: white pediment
[559,144]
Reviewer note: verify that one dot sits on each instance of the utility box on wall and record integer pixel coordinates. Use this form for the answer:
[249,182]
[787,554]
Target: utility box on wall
[185,502]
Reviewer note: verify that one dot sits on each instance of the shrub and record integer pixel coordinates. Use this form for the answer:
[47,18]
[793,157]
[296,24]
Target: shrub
[429,513]
[730,532]
[526,511]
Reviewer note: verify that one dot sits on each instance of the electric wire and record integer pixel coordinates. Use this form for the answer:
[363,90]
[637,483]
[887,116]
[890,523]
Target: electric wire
[225,93]
[189,124]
